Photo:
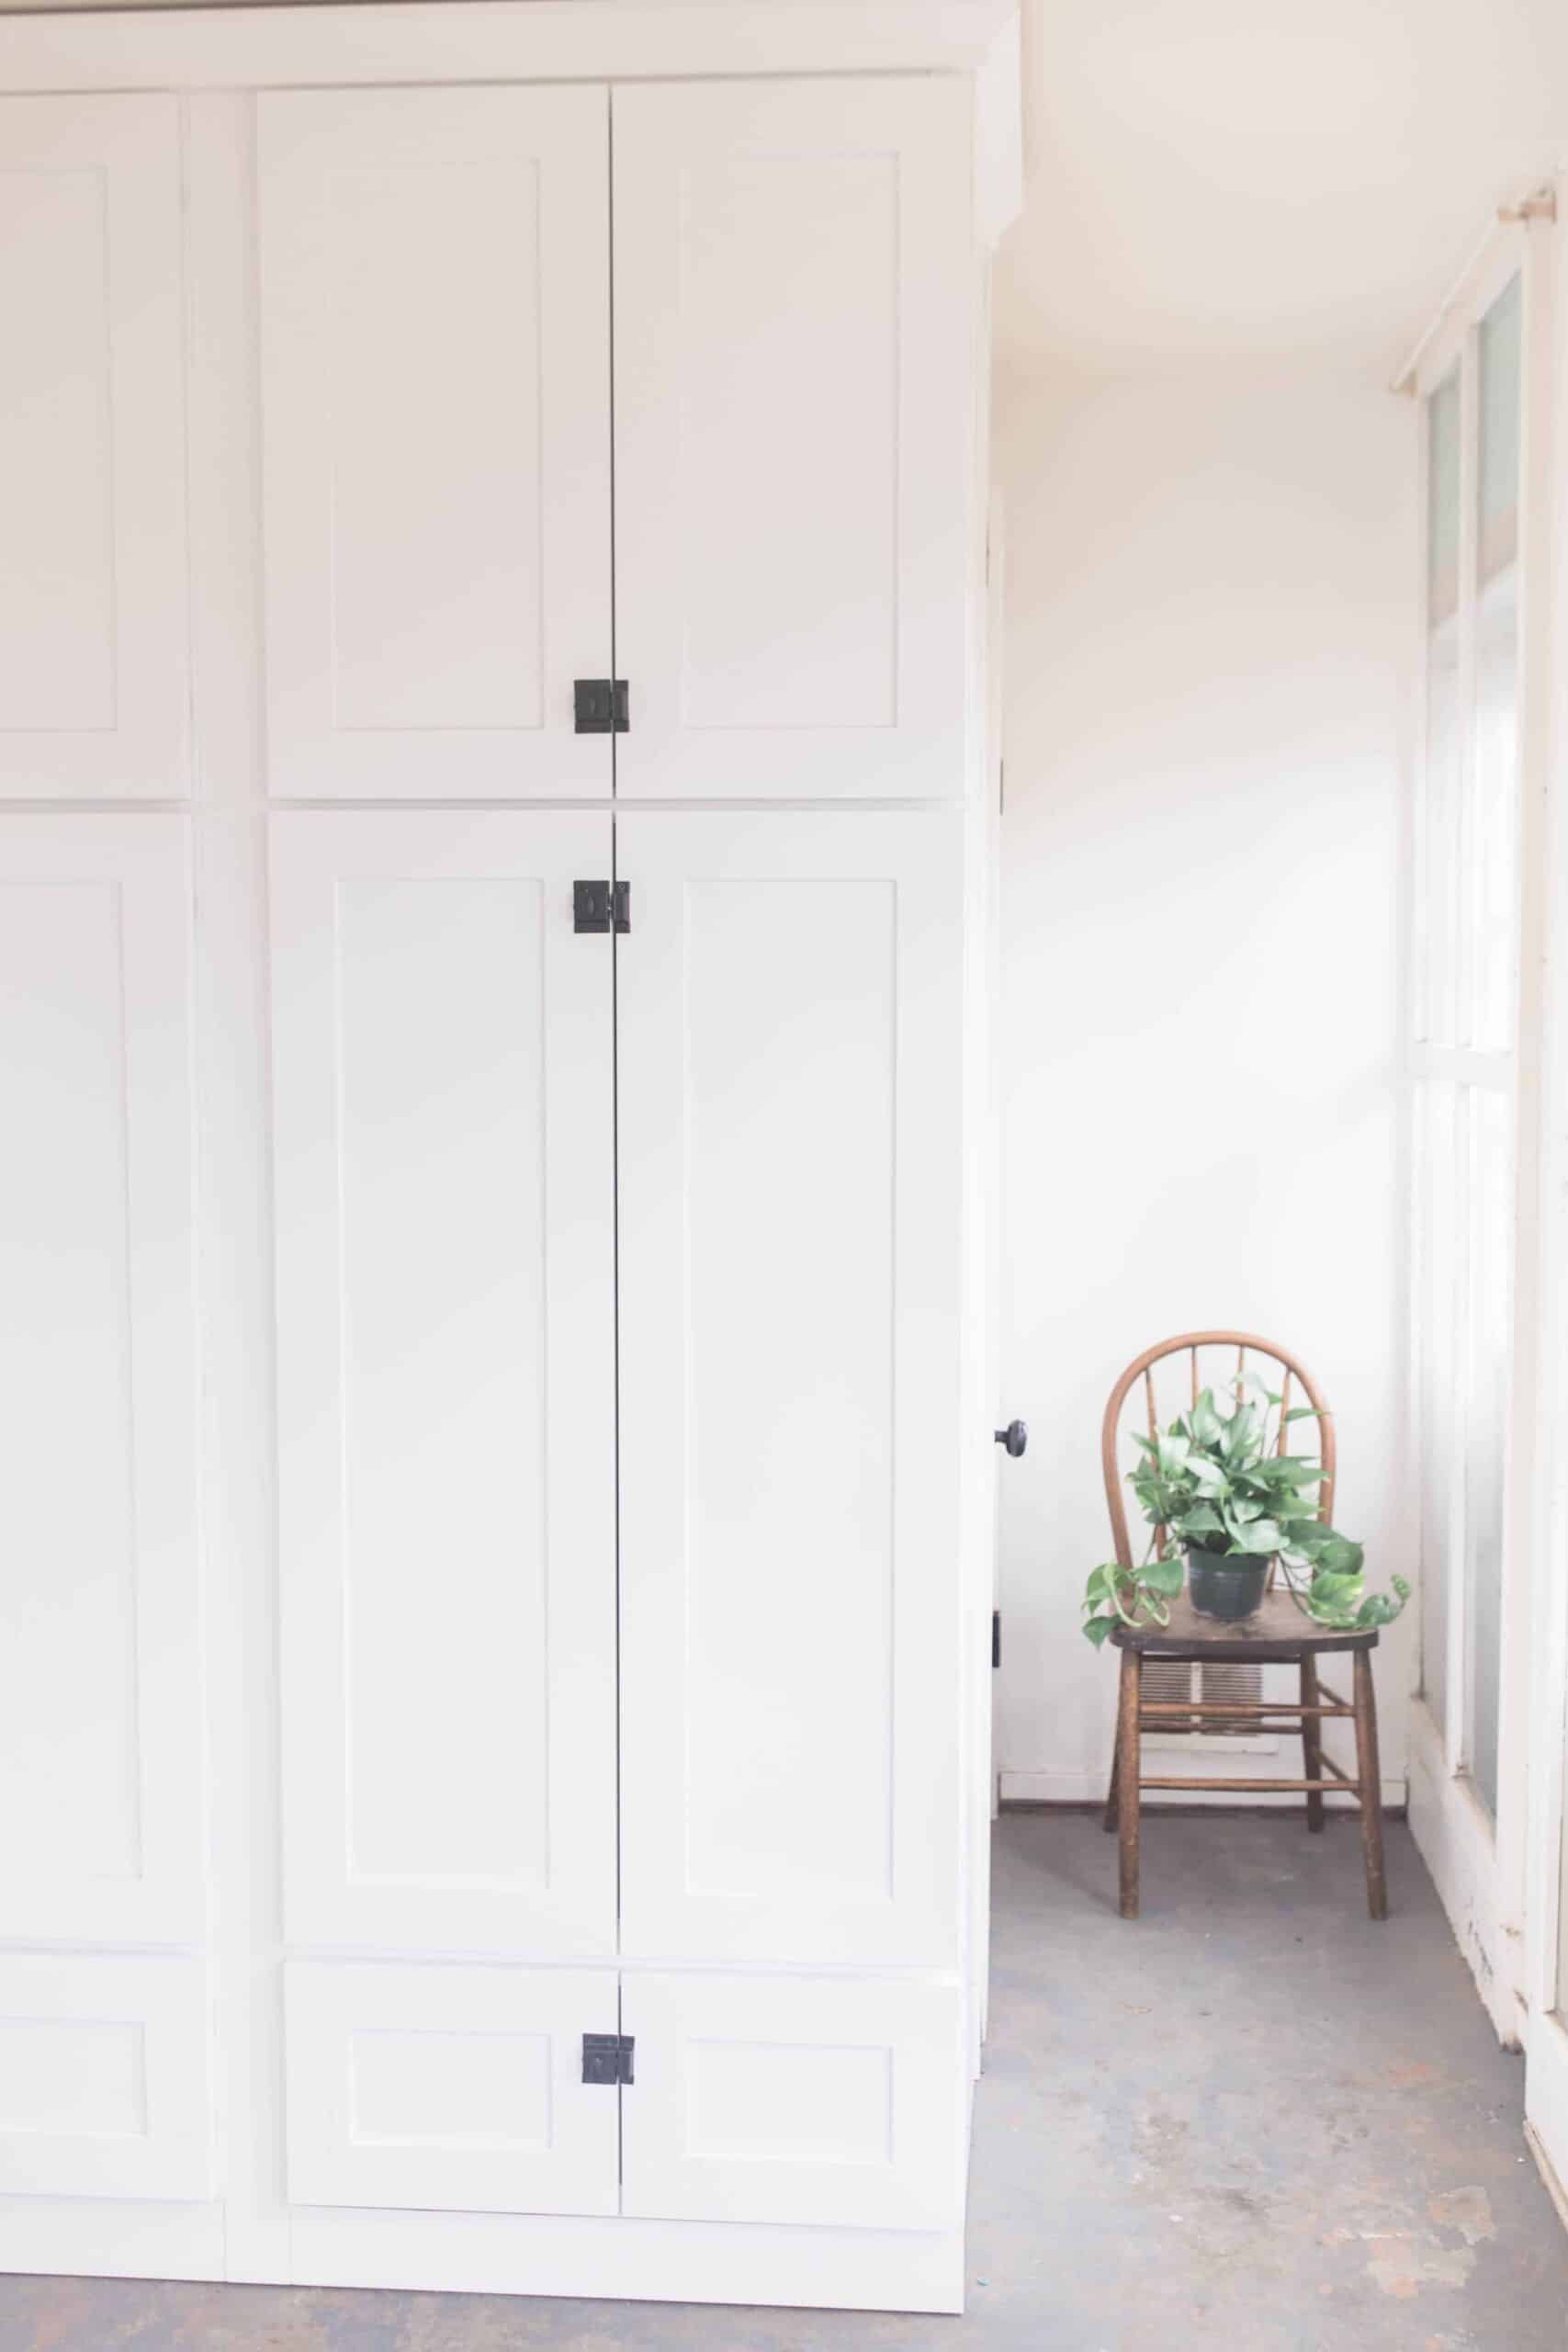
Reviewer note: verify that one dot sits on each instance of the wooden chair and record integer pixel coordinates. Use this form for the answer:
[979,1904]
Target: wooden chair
[1279,1636]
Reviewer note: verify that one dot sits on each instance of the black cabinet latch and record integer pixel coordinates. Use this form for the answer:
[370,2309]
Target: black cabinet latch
[607,2057]
[599,705]
[601,906]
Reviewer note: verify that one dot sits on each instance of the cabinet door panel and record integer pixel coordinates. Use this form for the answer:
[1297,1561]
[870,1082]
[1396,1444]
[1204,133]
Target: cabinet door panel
[443,1109]
[792,438]
[796,2099]
[93,671]
[789,1046]
[100,1659]
[103,2076]
[436,397]
[449,2089]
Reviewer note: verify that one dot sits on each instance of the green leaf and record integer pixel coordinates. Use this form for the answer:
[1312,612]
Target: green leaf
[1306,1413]
[1164,1576]
[1259,1536]
[1098,1630]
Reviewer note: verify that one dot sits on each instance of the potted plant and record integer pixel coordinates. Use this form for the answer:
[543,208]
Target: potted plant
[1217,1485]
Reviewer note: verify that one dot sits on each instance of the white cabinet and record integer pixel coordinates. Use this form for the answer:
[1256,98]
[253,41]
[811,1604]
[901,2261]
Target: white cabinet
[93,671]
[486,1361]
[790,1006]
[443,1112]
[436,403]
[794,279]
[100,1666]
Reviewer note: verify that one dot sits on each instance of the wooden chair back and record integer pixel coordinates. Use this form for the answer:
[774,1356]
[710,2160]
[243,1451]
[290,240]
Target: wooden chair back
[1232,1354]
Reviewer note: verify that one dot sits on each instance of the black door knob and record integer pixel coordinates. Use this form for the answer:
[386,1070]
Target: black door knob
[1015,1437]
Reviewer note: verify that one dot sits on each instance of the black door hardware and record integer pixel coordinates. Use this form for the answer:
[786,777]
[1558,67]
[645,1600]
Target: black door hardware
[1015,1437]
[607,2057]
[600,707]
[594,904]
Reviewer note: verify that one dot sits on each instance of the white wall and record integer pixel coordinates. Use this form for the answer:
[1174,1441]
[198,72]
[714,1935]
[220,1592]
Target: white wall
[1211,591]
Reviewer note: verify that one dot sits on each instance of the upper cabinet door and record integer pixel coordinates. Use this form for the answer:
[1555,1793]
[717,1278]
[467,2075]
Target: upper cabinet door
[435,389]
[93,671]
[793,324]
[443,1112]
[789,1009]
[100,1667]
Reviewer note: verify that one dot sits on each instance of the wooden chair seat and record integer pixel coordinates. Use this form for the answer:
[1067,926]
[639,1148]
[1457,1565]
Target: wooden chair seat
[1279,1634]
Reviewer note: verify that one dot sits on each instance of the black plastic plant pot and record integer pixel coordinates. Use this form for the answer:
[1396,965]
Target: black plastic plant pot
[1229,1587]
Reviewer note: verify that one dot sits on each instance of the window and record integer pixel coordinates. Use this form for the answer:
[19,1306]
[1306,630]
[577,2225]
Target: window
[1467,1013]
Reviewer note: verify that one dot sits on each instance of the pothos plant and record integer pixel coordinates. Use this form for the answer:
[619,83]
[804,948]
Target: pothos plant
[1216,1481]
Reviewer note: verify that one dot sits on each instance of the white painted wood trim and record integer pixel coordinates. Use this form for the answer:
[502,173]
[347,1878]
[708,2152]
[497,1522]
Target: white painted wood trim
[1545,2074]
[1454,1834]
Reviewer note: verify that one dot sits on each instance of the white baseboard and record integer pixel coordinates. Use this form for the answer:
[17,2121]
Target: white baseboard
[1080,1788]
[1458,1845]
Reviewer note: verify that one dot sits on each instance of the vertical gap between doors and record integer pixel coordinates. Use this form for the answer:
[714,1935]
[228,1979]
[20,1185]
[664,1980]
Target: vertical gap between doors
[615,1102]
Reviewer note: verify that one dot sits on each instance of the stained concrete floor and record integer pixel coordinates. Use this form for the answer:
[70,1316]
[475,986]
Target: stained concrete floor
[1252,2119]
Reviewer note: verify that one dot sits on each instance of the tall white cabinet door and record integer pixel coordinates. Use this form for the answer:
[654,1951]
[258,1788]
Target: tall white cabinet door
[789,1047]
[93,672]
[443,1109]
[100,1652]
[436,395]
[792,288]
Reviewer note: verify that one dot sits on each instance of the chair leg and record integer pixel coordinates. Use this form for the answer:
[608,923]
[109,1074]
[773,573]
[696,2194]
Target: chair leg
[1369,1776]
[1112,1807]
[1127,1769]
[1312,1743]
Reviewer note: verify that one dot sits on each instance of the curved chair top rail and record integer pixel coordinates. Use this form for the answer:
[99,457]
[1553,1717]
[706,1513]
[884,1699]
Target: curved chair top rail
[1247,1344]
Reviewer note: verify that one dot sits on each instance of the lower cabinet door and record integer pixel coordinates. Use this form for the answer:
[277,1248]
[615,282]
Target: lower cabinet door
[812,2099]
[453,2090]
[103,2076]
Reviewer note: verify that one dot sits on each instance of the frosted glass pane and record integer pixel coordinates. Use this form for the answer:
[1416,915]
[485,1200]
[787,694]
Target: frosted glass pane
[1439,894]
[1442,500]
[1438,1141]
[1492,864]
[1491,1222]
[1500,357]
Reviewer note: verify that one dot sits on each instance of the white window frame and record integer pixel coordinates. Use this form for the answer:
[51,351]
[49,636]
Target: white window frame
[1480,1863]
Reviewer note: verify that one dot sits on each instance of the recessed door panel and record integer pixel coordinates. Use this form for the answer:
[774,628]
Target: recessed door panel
[435,399]
[795,2099]
[92,668]
[100,1662]
[104,2076]
[444,1171]
[792,275]
[449,2089]
[789,1006]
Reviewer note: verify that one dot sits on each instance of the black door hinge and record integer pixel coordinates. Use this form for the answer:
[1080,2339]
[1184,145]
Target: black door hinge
[601,906]
[607,2057]
[599,705]
[995,1637]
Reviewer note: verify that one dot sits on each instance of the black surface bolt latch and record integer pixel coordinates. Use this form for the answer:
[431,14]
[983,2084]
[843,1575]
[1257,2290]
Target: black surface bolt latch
[594,903]
[607,2057]
[599,705]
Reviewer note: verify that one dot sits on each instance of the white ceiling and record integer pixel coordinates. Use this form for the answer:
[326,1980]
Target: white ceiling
[1263,180]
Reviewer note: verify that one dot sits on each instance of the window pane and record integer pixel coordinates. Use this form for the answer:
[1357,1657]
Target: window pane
[1437,1142]
[1494,861]
[1437,896]
[1486,1416]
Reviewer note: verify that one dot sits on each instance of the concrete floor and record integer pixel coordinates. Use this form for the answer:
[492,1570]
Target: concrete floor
[1251,2121]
